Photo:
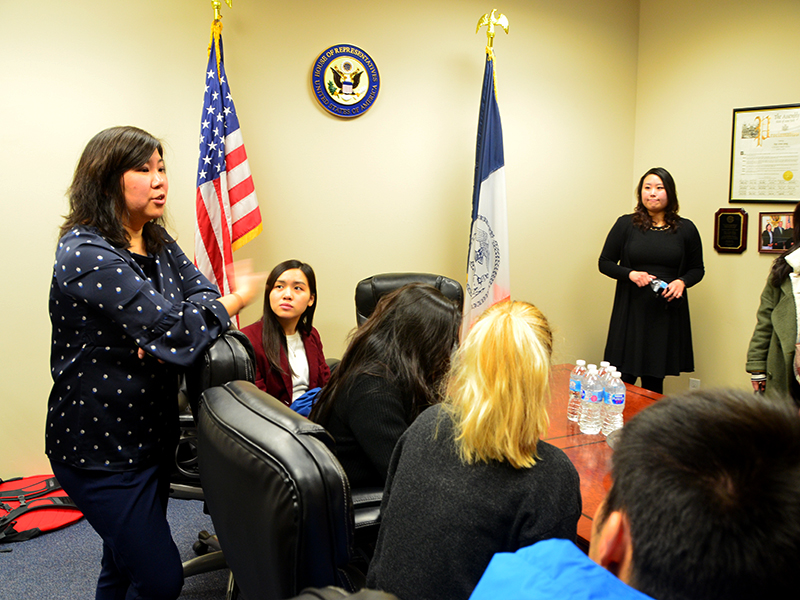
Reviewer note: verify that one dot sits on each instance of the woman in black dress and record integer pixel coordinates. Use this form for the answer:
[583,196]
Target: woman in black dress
[650,333]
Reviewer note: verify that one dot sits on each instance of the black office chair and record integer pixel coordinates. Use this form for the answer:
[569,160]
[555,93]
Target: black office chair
[280,501]
[371,289]
[367,294]
[229,358]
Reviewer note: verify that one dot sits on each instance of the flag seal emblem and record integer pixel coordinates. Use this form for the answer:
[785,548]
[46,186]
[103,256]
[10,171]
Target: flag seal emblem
[484,261]
[345,80]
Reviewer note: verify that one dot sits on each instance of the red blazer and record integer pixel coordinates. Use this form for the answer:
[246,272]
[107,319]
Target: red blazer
[280,384]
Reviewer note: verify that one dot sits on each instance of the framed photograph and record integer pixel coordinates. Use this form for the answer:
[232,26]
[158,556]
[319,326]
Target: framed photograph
[775,232]
[765,154]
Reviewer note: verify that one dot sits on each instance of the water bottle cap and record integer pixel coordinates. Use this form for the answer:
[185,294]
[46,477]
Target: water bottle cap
[580,362]
[592,367]
[616,374]
[605,364]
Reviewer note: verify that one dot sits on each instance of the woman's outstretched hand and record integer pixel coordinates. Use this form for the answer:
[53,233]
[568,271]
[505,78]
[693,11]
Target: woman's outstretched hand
[246,285]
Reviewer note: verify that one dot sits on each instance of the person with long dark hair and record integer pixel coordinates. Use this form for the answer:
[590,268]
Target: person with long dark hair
[129,311]
[650,334]
[389,373]
[771,354]
[289,356]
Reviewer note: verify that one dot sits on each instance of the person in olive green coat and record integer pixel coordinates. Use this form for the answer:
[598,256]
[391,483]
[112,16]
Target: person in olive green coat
[770,356]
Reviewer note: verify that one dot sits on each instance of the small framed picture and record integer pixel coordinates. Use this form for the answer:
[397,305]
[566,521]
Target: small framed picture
[775,232]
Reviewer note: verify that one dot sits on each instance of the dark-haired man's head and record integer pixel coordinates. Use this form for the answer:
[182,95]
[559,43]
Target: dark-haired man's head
[705,500]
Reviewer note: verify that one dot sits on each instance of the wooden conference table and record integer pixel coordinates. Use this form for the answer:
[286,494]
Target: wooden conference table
[590,454]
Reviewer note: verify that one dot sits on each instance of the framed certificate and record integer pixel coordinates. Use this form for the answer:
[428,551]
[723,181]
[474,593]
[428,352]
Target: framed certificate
[765,154]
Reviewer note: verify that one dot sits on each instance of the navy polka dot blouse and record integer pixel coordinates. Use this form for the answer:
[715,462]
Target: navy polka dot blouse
[108,409]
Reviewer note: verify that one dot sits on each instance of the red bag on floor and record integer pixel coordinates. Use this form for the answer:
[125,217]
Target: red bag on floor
[33,505]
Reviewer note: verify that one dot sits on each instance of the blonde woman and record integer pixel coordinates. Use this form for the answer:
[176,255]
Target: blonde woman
[472,475]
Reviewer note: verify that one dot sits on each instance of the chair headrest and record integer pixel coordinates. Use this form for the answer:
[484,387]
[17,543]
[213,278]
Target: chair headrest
[268,408]
[229,358]
[371,289]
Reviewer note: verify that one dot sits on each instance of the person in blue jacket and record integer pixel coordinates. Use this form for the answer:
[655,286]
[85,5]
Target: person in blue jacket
[129,311]
[703,506]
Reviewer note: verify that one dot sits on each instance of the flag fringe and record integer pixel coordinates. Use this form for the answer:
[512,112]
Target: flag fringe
[247,237]
[216,34]
[490,56]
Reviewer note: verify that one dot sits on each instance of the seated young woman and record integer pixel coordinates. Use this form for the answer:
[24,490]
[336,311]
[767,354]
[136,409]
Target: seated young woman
[471,476]
[388,374]
[289,357]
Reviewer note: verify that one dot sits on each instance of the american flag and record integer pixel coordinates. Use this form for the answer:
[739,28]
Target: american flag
[227,208]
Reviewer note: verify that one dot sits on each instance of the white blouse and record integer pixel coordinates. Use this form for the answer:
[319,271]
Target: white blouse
[298,363]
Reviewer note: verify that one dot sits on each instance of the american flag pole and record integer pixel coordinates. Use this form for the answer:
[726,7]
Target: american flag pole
[228,215]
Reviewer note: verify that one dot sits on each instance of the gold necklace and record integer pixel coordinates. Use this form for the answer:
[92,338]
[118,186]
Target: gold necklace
[659,228]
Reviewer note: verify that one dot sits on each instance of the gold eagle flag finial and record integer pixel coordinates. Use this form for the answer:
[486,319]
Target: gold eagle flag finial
[490,20]
[217,6]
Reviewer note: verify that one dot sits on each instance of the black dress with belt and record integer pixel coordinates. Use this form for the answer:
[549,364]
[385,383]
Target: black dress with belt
[648,336]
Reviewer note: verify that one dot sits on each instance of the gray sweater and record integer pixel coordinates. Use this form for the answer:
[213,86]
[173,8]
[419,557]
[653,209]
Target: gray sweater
[442,520]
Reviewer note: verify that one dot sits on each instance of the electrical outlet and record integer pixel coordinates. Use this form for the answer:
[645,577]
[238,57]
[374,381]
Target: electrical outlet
[694,384]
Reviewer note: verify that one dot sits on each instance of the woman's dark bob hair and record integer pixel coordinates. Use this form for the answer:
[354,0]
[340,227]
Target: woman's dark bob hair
[641,218]
[97,196]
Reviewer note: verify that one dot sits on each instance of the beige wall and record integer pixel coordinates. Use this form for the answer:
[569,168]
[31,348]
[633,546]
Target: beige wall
[697,62]
[584,107]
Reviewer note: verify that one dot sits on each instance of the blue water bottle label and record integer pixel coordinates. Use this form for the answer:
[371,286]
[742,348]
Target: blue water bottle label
[618,399]
[574,386]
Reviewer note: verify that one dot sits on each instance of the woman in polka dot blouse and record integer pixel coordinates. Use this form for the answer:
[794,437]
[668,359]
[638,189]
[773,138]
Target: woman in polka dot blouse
[129,310]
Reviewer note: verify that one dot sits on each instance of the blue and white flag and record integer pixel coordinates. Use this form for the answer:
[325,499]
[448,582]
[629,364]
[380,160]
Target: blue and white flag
[488,275]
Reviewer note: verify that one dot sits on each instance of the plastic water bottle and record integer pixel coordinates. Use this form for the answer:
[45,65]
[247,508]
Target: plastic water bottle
[602,373]
[591,403]
[614,404]
[589,367]
[658,286]
[574,406]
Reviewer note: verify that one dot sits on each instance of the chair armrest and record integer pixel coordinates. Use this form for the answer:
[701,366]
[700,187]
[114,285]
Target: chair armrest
[367,507]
